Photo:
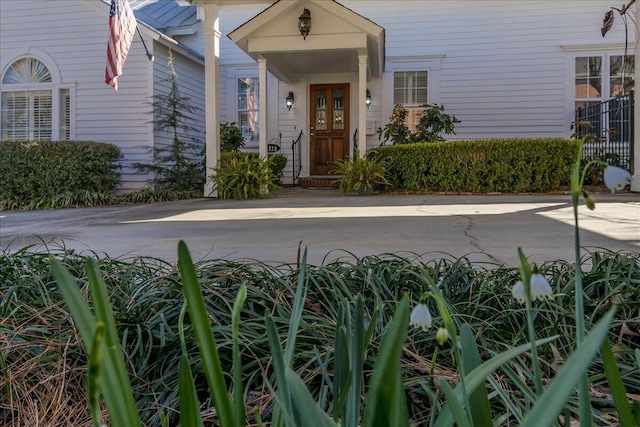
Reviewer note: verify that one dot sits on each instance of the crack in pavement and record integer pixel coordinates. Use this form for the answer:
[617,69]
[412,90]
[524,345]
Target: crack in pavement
[473,240]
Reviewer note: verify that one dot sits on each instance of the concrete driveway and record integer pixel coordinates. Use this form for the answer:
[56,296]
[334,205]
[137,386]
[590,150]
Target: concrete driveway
[484,228]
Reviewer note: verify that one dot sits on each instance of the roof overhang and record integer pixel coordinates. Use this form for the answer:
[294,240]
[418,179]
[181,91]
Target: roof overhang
[337,38]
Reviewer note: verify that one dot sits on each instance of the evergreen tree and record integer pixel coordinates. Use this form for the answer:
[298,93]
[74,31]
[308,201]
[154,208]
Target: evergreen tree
[177,166]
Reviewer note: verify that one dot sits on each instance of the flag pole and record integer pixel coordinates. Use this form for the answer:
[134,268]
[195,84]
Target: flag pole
[150,56]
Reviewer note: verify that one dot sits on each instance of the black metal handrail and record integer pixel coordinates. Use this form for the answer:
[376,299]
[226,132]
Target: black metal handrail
[296,174]
[608,128]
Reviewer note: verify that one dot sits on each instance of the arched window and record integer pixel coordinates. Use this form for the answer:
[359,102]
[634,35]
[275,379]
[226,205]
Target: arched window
[27,107]
[27,70]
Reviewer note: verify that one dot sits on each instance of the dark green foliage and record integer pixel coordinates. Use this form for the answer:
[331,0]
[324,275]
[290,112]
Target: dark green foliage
[517,165]
[231,138]
[432,124]
[277,162]
[147,299]
[360,174]
[244,176]
[178,165]
[55,174]
[396,130]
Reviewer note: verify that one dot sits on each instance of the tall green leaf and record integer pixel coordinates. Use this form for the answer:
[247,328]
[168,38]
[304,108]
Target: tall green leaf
[189,404]
[204,337]
[94,375]
[479,398]
[618,391]
[478,376]
[459,412]
[117,392]
[556,395]
[282,360]
[303,404]
[104,313]
[386,401]
[238,390]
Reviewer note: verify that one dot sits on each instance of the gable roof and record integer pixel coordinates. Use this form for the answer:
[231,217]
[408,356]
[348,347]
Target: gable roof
[338,37]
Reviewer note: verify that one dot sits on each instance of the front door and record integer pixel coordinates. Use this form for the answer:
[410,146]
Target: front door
[329,132]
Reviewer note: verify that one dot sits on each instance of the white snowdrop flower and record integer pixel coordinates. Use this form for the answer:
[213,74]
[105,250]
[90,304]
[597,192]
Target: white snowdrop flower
[421,317]
[540,287]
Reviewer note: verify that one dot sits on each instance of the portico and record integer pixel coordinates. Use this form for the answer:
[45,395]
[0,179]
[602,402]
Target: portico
[341,48]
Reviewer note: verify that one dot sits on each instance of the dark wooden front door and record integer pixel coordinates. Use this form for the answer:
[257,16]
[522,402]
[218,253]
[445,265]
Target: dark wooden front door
[329,132]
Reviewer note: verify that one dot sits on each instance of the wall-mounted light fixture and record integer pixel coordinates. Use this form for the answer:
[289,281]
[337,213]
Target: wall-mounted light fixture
[289,101]
[368,99]
[304,23]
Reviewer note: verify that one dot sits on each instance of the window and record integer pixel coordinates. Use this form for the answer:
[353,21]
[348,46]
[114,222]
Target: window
[65,115]
[410,91]
[602,85]
[26,115]
[602,77]
[248,109]
[27,103]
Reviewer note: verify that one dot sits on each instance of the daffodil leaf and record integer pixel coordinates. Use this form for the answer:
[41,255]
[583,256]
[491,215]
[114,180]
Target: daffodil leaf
[476,377]
[553,400]
[459,413]
[618,391]
[204,337]
[479,399]
[386,401]
[189,404]
[116,391]
[303,403]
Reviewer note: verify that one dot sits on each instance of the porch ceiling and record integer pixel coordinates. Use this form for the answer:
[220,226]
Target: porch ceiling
[338,36]
[309,62]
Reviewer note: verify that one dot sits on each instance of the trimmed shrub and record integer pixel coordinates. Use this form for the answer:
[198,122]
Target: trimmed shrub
[481,166]
[46,174]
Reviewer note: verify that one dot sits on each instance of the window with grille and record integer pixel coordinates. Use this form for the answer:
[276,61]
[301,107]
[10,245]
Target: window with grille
[410,91]
[248,109]
[26,105]
[599,78]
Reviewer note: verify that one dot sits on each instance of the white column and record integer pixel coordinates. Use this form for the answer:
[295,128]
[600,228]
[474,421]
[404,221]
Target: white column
[362,111]
[635,180]
[212,92]
[262,84]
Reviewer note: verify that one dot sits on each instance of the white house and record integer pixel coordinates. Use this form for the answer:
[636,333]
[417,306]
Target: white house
[52,72]
[504,68]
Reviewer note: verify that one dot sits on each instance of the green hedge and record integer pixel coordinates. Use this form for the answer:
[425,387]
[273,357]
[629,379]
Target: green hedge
[35,174]
[504,165]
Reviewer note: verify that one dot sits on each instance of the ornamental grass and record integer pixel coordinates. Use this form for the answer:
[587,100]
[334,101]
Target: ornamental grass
[44,361]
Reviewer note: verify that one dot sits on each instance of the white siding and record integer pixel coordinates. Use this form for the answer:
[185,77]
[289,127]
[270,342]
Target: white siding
[504,69]
[190,80]
[503,74]
[74,33]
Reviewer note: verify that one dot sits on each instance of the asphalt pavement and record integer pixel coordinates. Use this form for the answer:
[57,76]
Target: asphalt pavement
[483,228]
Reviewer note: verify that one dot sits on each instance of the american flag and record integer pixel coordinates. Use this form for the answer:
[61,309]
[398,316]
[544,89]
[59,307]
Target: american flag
[122,26]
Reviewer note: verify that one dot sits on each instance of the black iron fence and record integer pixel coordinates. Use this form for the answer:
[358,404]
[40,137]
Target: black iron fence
[608,127]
